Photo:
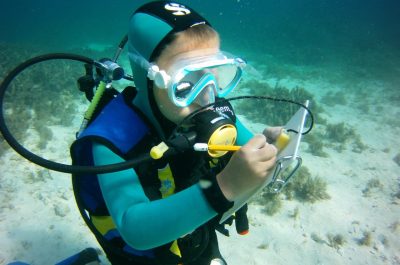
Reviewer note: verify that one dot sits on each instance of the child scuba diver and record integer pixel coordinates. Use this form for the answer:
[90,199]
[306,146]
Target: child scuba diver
[166,211]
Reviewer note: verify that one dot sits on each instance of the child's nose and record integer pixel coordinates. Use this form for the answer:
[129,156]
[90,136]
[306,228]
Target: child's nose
[206,96]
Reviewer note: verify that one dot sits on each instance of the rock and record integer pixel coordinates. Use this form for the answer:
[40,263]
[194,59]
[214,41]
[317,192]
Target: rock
[61,210]
[396,159]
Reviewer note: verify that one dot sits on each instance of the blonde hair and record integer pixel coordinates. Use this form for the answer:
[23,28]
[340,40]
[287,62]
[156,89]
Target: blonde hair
[196,37]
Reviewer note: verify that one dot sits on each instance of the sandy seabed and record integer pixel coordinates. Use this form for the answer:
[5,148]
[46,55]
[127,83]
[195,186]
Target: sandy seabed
[40,224]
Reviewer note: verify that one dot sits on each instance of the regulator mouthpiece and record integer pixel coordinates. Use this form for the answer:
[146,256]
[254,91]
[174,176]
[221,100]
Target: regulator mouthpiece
[215,129]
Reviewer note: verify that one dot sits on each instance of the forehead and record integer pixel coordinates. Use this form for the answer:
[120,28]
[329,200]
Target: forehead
[184,47]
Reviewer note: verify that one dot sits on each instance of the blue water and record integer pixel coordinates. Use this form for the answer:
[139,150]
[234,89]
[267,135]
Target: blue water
[270,26]
[351,48]
[298,32]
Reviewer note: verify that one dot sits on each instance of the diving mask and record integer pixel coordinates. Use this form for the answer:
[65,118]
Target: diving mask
[187,77]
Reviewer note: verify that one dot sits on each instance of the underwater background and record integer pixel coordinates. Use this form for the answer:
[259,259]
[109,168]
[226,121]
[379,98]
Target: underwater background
[344,56]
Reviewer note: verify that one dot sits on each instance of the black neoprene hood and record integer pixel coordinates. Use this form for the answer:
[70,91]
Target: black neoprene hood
[178,16]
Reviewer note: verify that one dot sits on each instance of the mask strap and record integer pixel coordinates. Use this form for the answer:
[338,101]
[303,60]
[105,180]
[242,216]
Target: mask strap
[137,58]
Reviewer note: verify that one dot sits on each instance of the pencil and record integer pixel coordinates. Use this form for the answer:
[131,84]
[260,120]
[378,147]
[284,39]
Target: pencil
[280,143]
[216,147]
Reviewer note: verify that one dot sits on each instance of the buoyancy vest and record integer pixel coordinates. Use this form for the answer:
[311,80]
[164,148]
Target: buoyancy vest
[122,128]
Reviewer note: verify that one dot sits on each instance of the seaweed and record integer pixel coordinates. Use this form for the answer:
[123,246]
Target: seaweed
[68,118]
[366,239]
[358,146]
[315,144]
[3,146]
[263,246]
[45,136]
[338,136]
[395,227]
[274,112]
[341,135]
[40,96]
[363,106]
[396,159]
[306,188]
[383,239]
[26,245]
[318,239]
[312,190]
[396,195]
[295,214]
[18,121]
[40,176]
[372,184]
[271,201]
[332,99]
[336,241]
[387,150]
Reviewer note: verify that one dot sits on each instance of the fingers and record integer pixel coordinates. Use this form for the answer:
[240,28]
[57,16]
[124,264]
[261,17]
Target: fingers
[266,153]
[248,167]
[259,148]
[261,169]
[255,143]
[272,133]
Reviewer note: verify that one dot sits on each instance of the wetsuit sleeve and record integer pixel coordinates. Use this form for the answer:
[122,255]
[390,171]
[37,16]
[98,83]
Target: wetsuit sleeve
[244,134]
[142,223]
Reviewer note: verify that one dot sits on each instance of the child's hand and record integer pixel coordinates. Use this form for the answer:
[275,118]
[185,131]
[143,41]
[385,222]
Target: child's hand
[248,167]
[272,133]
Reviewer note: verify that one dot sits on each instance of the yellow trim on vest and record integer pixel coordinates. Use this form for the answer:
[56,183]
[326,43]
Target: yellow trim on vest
[167,181]
[168,188]
[103,223]
[213,162]
[175,249]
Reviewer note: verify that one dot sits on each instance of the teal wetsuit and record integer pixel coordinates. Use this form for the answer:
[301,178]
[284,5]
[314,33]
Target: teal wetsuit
[146,224]
[150,221]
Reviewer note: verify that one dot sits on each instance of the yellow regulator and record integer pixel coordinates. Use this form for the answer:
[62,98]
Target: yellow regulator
[215,129]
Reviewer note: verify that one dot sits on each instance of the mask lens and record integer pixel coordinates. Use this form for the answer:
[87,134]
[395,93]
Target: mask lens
[225,75]
[189,86]
[191,76]
[183,89]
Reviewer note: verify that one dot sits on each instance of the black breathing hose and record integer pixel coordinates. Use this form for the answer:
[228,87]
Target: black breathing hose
[37,159]
[310,127]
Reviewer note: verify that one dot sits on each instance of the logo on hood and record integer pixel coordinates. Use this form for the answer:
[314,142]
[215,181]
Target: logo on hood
[178,10]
